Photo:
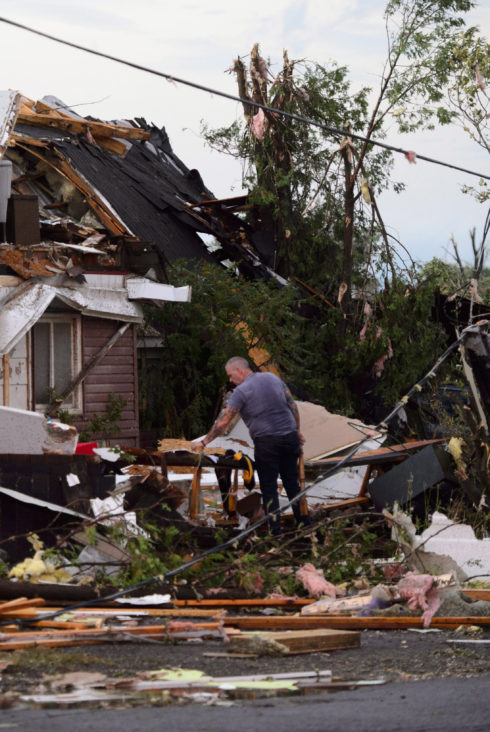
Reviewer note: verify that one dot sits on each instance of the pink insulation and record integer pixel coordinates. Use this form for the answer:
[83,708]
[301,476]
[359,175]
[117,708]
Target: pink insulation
[315,583]
[420,591]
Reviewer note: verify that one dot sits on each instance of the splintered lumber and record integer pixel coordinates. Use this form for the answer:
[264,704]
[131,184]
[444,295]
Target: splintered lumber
[246,602]
[195,493]
[394,453]
[303,505]
[20,602]
[80,126]
[307,641]
[16,641]
[292,622]
[168,612]
[476,594]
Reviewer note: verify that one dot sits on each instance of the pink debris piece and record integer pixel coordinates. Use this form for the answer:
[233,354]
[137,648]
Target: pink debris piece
[259,124]
[315,583]
[280,596]
[420,591]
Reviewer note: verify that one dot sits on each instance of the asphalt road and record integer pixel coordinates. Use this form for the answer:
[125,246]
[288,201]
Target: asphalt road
[417,706]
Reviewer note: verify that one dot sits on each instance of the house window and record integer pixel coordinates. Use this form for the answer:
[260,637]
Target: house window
[56,359]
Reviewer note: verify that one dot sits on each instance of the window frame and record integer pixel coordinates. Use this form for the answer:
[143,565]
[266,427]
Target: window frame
[74,320]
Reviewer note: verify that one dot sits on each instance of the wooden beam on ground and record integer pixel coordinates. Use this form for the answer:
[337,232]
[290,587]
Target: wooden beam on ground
[26,639]
[346,503]
[246,602]
[177,612]
[20,602]
[32,612]
[477,594]
[313,641]
[284,622]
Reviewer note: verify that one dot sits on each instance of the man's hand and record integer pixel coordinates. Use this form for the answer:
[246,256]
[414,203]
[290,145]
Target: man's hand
[197,446]
[301,438]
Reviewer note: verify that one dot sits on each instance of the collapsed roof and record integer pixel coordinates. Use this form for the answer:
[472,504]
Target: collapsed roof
[119,182]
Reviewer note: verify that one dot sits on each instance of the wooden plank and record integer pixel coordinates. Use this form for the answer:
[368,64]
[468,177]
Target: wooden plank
[248,602]
[313,641]
[113,630]
[284,622]
[79,126]
[20,602]
[346,503]
[97,388]
[195,493]
[16,641]
[122,350]
[382,454]
[303,504]
[143,611]
[112,144]
[104,369]
[477,594]
[23,612]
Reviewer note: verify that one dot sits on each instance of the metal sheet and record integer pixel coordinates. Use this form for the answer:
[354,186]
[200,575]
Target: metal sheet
[142,288]
[24,305]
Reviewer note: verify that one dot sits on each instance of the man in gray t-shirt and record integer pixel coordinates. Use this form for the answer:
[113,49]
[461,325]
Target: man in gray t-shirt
[268,409]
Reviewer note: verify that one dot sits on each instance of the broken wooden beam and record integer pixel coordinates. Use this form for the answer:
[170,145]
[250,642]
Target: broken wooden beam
[245,602]
[303,641]
[81,126]
[292,622]
[19,603]
[395,453]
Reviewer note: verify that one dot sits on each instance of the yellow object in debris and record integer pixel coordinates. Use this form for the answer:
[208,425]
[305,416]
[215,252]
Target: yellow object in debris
[35,569]
[249,471]
[455,448]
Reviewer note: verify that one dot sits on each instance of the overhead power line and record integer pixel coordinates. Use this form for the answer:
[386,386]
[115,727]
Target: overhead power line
[408,153]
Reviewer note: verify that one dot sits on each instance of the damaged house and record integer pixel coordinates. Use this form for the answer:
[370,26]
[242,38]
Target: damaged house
[90,214]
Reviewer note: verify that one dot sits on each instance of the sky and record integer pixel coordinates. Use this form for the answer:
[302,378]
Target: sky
[198,41]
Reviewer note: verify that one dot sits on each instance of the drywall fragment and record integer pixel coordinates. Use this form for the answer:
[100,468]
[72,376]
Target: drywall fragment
[415,549]
[459,542]
[28,433]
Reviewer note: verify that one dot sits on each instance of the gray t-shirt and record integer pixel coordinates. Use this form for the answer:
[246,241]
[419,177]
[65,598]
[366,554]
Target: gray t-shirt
[261,401]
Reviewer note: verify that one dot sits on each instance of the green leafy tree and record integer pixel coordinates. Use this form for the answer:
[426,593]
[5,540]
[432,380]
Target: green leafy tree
[180,390]
[469,96]
[314,191]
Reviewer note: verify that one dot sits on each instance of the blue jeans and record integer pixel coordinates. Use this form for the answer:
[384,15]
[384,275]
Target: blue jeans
[277,455]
